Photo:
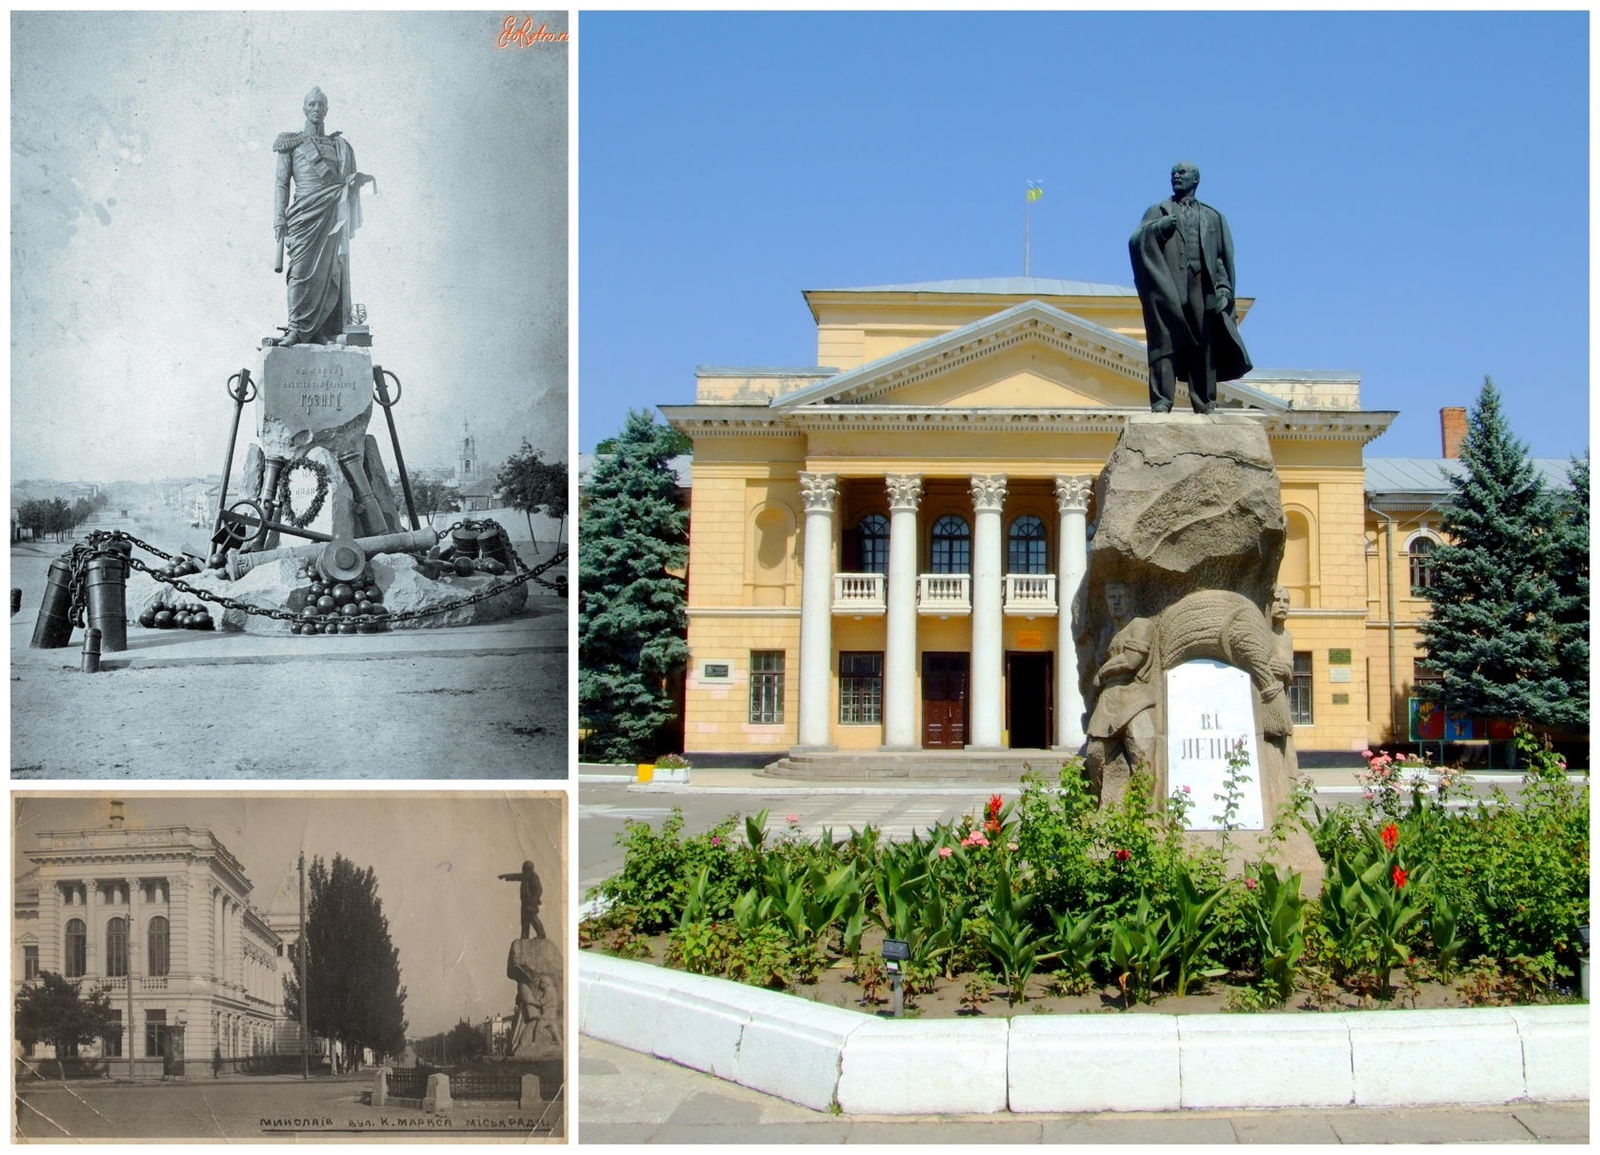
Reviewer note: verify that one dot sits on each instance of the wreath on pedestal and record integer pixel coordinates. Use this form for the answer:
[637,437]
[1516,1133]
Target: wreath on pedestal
[282,498]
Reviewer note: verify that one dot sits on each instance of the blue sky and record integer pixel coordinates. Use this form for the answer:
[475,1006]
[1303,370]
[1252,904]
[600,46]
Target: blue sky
[1408,193]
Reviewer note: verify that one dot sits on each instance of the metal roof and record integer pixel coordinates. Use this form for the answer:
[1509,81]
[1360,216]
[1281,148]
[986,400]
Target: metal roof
[1432,474]
[1000,286]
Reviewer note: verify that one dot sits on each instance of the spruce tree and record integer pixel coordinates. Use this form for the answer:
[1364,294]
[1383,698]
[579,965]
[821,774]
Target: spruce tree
[1572,585]
[1494,634]
[631,621]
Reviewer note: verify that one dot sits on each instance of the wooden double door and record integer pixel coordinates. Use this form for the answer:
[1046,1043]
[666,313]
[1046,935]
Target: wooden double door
[946,699]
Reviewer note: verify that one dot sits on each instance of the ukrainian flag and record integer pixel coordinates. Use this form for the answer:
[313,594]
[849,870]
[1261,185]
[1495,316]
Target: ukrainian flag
[1035,191]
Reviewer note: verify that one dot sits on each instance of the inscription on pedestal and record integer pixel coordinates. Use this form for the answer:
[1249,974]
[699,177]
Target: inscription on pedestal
[1209,710]
[310,389]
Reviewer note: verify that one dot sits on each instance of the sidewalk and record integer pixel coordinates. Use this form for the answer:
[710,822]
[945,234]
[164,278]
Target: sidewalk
[625,1097]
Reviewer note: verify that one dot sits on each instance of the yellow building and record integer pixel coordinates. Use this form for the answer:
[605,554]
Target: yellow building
[884,550]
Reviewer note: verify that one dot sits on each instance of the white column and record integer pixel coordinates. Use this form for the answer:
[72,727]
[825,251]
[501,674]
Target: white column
[1072,562]
[900,654]
[816,608]
[135,934]
[988,500]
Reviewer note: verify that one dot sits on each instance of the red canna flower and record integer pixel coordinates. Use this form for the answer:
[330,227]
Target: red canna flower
[1399,878]
[1390,835]
[992,813]
[1123,855]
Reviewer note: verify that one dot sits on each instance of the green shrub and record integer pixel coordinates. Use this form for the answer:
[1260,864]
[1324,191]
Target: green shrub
[660,866]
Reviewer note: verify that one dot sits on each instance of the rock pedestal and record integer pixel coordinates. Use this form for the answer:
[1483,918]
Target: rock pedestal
[534,964]
[1180,667]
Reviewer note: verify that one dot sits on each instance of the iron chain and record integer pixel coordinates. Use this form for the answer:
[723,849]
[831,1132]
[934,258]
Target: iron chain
[528,574]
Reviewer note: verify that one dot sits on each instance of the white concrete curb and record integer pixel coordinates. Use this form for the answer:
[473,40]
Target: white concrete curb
[818,1055]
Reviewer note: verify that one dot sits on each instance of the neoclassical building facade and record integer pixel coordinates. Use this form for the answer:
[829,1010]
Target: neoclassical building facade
[161,919]
[884,550]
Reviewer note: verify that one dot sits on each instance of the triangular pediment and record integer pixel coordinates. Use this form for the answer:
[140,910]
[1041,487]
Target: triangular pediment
[1030,356]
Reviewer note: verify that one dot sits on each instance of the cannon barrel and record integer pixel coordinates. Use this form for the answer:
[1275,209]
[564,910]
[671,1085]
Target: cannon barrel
[409,541]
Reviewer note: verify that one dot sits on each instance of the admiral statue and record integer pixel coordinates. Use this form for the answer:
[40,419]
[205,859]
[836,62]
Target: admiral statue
[1182,257]
[314,226]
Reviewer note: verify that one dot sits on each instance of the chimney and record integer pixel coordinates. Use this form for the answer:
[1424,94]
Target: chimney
[1452,430]
[116,815]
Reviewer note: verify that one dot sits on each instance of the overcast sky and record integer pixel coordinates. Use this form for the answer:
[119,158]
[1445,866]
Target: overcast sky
[142,206]
[436,857]
[1408,193]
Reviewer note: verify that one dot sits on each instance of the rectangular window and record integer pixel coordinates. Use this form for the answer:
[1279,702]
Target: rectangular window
[860,688]
[155,1034]
[30,962]
[1300,689]
[112,1039]
[1422,672]
[766,687]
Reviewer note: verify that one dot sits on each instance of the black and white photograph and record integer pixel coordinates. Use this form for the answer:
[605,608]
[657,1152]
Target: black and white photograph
[289,967]
[289,395]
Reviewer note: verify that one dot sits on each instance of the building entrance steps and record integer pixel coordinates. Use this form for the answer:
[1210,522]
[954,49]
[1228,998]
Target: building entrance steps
[920,765]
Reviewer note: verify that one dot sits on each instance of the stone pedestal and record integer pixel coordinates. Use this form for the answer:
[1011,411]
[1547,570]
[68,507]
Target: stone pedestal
[1189,541]
[534,964]
[436,1100]
[315,403]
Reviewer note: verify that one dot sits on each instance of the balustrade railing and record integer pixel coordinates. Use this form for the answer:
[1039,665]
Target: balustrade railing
[1031,594]
[859,593]
[944,593]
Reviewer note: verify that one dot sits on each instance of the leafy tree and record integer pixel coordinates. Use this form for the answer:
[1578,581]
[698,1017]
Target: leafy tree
[631,619]
[1494,634]
[432,496]
[465,1043]
[534,486]
[354,969]
[54,1011]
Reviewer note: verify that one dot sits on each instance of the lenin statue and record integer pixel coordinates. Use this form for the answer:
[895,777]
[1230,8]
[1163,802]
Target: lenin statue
[1182,257]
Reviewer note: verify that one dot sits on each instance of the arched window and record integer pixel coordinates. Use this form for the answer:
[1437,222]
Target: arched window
[77,961]
[1420,553]
[952,546]
[117,948]
[872,536]
[1026,547]
[159,949]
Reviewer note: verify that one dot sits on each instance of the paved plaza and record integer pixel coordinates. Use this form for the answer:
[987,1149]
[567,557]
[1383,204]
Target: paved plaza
[625,1097]
[278,1108]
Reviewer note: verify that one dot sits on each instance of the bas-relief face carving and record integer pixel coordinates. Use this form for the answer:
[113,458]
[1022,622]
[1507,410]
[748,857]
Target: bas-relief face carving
[1119,602]
[1280,605]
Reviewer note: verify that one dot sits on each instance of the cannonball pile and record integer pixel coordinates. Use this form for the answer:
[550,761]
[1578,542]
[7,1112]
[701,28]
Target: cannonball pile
[334,607]
[188,615]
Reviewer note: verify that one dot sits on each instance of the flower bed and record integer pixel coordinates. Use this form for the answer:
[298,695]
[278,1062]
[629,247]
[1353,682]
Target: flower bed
[1052,903]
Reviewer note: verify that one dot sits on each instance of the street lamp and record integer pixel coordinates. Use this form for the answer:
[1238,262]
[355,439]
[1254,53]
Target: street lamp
[895,952]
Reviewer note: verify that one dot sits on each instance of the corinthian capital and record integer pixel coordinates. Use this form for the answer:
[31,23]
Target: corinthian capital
[905,490]
[818,490]
[988,491]
[1072,494]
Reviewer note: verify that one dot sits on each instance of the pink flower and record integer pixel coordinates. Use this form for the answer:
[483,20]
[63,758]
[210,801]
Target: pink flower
[1186,790]
[716,840]
[976,838]
[1251,884]
[945,852]
[792,819]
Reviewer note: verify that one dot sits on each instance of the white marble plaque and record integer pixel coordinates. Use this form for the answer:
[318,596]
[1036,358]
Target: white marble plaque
[1209,709]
